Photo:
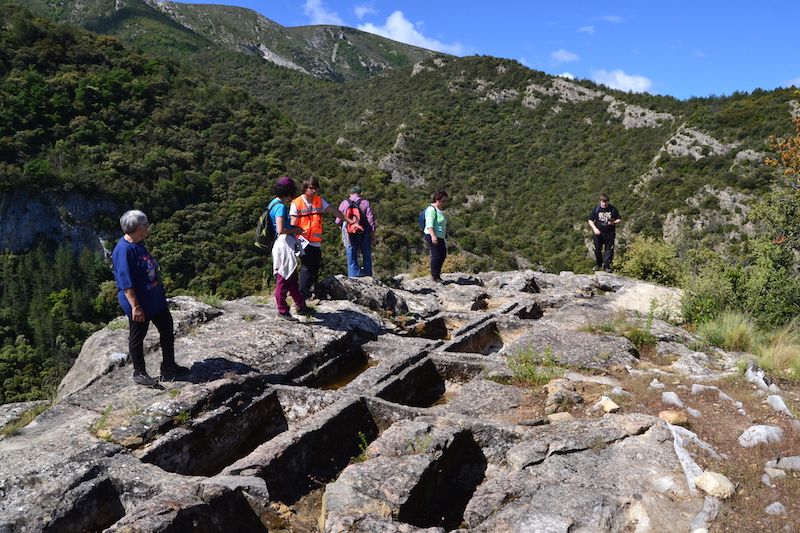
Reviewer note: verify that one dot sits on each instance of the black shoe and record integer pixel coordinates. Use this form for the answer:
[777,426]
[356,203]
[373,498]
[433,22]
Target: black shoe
[607,269]
[596,268]
[173,372]
[305,311]
[287,317]
[143,378]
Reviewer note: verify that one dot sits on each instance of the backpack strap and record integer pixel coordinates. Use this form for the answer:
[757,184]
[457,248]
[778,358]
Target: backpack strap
[273,203]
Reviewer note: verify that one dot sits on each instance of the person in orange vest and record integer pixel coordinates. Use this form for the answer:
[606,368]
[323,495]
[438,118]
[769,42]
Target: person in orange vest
[306,211]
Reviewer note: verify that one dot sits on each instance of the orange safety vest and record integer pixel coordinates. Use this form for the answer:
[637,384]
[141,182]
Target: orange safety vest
[310,219]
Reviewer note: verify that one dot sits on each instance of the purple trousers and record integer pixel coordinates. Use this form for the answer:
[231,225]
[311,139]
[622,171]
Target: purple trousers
[284,286]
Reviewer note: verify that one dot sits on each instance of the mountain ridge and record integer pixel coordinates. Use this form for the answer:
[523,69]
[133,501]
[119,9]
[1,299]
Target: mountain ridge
[335,53]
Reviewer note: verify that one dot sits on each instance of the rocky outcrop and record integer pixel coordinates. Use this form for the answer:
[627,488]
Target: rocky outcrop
[392,409]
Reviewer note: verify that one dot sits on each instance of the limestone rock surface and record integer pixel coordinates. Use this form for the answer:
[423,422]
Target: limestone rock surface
[391,409]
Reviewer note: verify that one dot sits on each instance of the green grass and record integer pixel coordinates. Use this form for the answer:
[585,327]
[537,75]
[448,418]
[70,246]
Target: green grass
[777,352]
[24,419]
[530,368]
[732,330]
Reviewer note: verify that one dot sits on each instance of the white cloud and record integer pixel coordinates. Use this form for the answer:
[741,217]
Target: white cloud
[320,14]
[365,9]
[566,75]
[613,18]
[617,79]
[698,53]
[587,29]
[562,56]
[795,82]
[399,29]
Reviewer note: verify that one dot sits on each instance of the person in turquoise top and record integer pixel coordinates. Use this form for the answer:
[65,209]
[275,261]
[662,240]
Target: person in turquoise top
[435,233]
[284,261]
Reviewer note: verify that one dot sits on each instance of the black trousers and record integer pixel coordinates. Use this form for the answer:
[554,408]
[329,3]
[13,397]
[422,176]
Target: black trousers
[604,240]
[138,331]
[309,272]
[438,255]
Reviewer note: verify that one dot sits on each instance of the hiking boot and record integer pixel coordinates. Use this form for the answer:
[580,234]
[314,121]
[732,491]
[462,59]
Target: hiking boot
[607,269]
[143,378]
[305,311]
[596,268]
[287,317]
[173,372]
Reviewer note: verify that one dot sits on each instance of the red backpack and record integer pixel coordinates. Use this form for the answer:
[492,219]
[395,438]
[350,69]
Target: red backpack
[353,211]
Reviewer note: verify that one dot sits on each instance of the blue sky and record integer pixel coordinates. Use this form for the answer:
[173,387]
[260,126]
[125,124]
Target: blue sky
[678,48]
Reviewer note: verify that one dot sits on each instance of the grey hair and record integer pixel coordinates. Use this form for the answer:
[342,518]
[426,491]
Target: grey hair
[130,220]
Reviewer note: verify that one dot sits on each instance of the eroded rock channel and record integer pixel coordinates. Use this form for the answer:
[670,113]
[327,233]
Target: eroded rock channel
[389,410]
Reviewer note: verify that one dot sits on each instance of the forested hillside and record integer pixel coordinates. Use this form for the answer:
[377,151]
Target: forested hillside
[81,115]
[524,156]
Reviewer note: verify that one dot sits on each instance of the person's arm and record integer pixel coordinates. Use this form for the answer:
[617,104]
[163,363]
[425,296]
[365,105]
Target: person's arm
[594,228]
[616,218]
[370,216]
[342,208]
[338,214]
[430,220]
[137,313]
[282,229]
[370,220]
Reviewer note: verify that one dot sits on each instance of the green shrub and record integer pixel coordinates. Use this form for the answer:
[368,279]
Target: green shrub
[770,288]
[705,296]
[651,260]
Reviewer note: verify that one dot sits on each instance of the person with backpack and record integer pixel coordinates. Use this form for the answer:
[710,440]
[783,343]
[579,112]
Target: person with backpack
[603,220]
[284,258]
[306,211]
[360,237]
[435,230]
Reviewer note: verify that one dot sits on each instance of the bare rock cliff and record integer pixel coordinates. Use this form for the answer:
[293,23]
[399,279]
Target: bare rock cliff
[29,219]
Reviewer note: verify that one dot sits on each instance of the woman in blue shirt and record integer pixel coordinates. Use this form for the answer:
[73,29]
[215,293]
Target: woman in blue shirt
[141,294]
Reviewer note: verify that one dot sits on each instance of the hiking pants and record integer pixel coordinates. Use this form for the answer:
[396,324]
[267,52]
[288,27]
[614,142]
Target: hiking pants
[438,255]
[137,333]
[359,243]
[309,272]
[604,240]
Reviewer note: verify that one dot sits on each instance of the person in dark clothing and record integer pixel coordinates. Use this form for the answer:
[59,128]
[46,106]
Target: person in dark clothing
[306,211]
[142,297]
[603,221]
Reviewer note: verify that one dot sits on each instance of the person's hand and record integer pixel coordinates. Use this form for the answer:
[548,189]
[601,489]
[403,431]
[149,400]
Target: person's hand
[597,232]
[137,314]
[373,239]
[434,239]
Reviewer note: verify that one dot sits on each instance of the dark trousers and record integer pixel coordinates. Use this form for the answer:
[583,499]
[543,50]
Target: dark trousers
[309,272]
[604,240]
[438,255]
[138,331]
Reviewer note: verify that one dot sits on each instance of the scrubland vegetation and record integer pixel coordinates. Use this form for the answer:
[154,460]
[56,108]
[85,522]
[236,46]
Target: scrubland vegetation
[89,115]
